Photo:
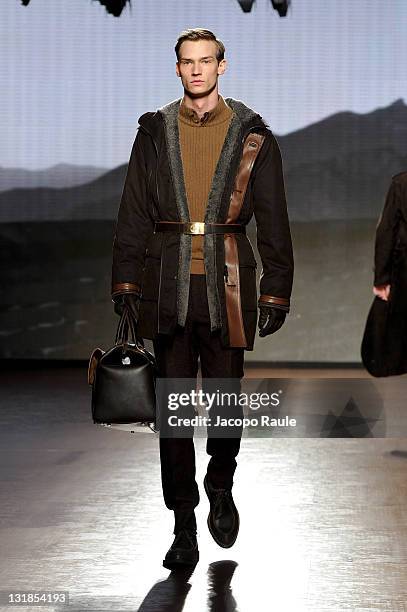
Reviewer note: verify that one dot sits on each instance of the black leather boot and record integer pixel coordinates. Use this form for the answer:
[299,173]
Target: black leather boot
[223,518]
[183,551]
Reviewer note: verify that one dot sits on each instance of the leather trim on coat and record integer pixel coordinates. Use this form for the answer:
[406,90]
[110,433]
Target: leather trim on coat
[251,149]
[271,299]
[119,288]
[274,302]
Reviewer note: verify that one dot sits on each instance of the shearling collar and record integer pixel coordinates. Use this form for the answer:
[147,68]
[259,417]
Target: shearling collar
[245,114]
[153,121]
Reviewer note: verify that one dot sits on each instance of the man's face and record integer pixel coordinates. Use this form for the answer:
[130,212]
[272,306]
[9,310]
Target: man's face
[198,67]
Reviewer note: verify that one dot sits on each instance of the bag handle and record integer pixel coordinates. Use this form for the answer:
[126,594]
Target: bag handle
[126,330]
[120,328]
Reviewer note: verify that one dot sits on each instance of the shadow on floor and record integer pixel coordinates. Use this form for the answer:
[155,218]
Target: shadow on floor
[169,595]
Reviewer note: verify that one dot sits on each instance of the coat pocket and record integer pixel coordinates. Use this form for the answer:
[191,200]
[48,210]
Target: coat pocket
[248,286]
[148,315]
[151,278]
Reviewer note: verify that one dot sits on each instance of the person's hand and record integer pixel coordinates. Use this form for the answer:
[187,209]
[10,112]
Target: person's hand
[131,301]
[270,320]
[382,291]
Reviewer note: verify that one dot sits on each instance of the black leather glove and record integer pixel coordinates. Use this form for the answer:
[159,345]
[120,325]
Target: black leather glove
[131,301]
[270,319]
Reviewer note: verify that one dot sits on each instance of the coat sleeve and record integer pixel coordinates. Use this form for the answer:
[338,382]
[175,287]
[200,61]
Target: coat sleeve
[134,225]
[273,228]
[386,235]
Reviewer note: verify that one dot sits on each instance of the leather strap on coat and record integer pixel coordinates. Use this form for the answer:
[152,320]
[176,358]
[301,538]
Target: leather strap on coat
[251,149]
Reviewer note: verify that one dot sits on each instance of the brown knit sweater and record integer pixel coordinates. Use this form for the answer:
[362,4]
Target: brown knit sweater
[201,142]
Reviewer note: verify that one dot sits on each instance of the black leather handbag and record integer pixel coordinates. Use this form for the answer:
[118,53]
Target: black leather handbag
[123,379]
[384,343]
[374,341]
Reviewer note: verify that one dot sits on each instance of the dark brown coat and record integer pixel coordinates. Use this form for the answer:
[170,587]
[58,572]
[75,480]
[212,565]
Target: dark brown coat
[159,263]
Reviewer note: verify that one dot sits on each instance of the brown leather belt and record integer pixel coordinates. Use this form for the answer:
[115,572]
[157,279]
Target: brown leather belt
[196,228]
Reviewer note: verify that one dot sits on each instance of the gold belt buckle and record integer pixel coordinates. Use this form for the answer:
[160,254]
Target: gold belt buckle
[196,227]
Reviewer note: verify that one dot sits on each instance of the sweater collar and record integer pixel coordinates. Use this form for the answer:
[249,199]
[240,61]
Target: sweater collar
[213,117]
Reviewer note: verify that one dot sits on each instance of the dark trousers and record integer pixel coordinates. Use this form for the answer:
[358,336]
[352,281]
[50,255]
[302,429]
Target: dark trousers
[177,357]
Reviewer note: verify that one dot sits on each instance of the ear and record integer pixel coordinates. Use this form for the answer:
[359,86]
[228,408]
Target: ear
[177,69]
[222,66]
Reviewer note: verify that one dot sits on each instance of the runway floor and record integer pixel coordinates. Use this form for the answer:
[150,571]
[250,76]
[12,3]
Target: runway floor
[323,519]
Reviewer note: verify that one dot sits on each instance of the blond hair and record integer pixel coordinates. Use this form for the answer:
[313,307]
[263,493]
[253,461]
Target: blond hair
[200,34]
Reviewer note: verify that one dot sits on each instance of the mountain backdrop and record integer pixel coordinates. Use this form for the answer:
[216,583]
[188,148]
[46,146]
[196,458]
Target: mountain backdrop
[337,168]
[59,176]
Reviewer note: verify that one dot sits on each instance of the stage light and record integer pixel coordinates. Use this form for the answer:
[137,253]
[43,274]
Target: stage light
[281,6]
[246,5]
[114,7]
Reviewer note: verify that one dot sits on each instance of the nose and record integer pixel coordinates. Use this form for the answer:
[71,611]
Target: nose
[196,69]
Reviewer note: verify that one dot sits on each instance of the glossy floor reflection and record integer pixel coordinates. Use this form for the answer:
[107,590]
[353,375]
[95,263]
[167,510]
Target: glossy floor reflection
[323,521]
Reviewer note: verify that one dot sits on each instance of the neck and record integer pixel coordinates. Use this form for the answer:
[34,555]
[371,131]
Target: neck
[203,104]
